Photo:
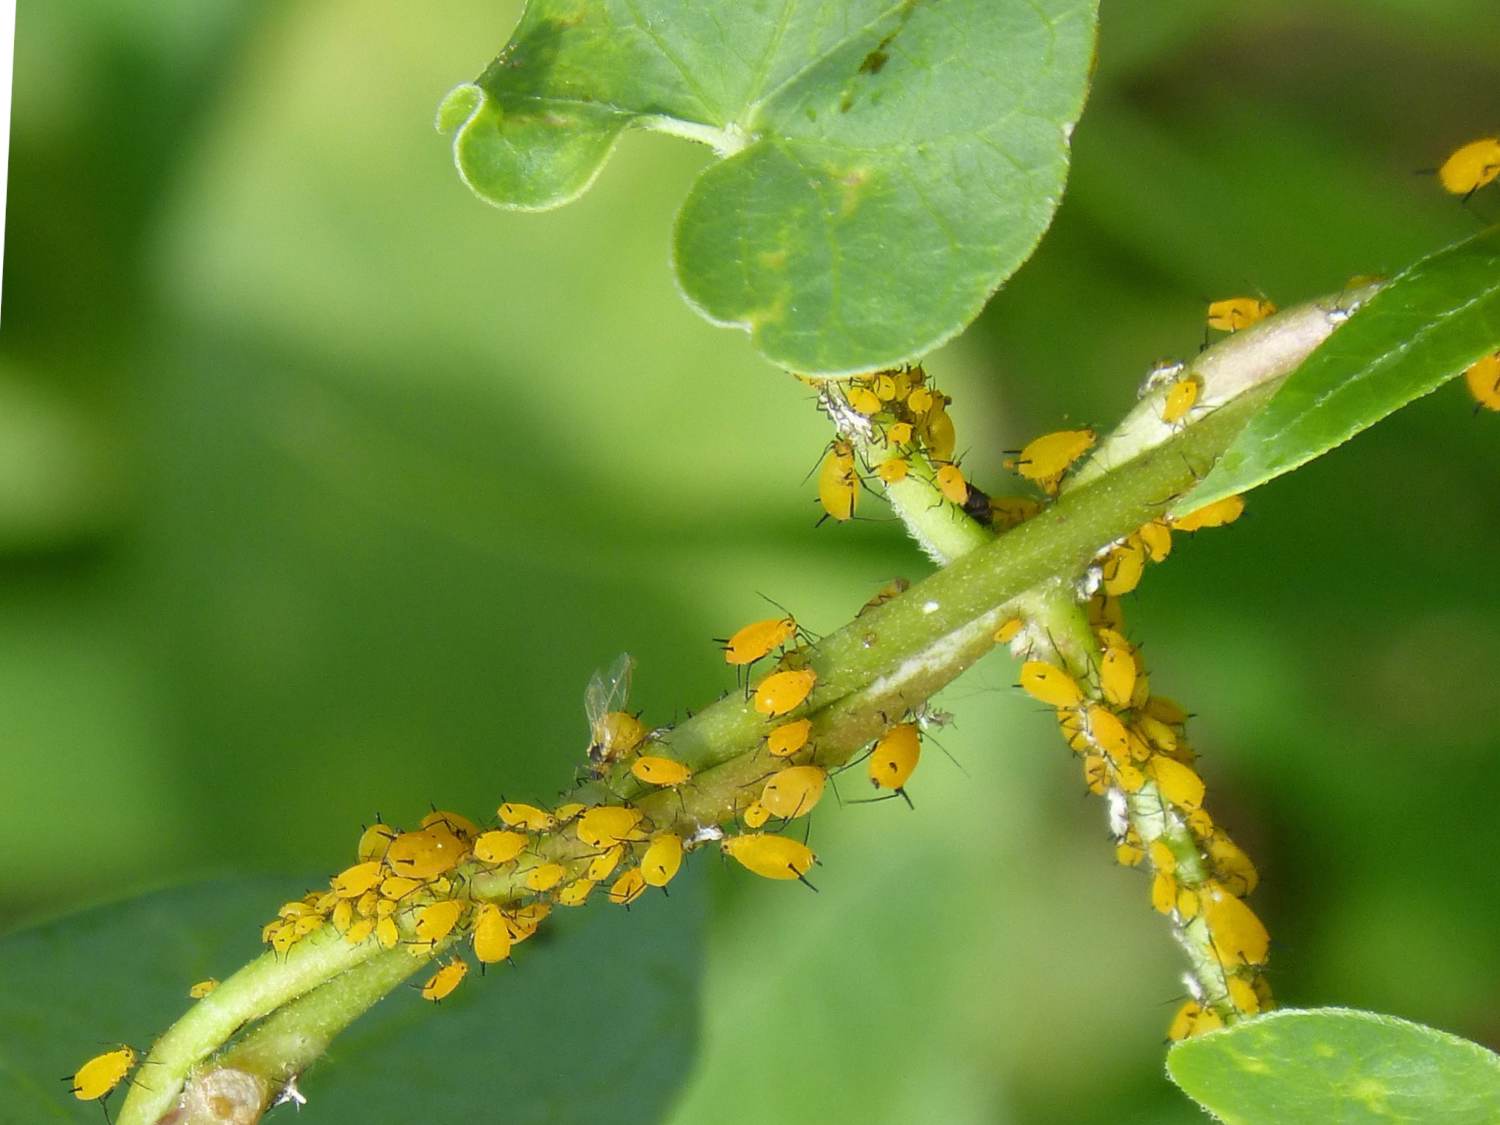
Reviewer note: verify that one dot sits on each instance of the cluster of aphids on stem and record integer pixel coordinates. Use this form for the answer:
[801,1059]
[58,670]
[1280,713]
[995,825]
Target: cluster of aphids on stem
[414,888]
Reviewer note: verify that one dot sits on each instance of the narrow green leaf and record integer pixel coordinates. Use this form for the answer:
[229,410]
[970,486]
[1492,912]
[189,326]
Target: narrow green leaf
[887,163]
[1429,323]
[597,1021]
[1334,1064]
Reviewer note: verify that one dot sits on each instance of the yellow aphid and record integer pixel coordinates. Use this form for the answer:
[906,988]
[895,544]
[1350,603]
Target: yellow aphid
[456,823]
[1156,537]
[1117,676]
[660,771]
[359,930]
[1074,731]
[1007,512]
[899,433]
[523,922]
[1157,733]
[938,435]
[895,757]
[919,401]
[893,469]
[1008,630]
[951,483]
[613,731]
[604,826]
[426,854]
[786,739]
[280,937]
[1096,774]
[1162,856]
[838,483]
[1187,903]
[1049,684]
[1168,711]
[1236,873]
[1104,610]
[301,927]
[1128,855]
[1047,458]
[884,386]
[794,791]
[604,864]
[662,860]
[343,915]
[1239,937]
[1130,778]
[1181,397]
[759,639]
[1234,313]
[628,887]
[1217,514]
[441,984]
[436,921]
[1483,379]
[1109,733]
[399,886]
[98,1077]
[1178,783]
[491,938]
[755,814]
[1243,996]
[387,906]
[863,399]
[771,857]
[1164,892]
[782,692]
[528,818]
[374,840]
[576,893]
[894,588]
[1123,567]
[1193,1019]
[386,932]
[545,876]
[1471,167]
[565,813]
[1200,824]
[355,881]
[203,988]
[499,846]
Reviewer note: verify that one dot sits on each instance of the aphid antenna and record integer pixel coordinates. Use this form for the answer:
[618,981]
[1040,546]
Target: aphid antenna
[801,878]
[950,757]
[877,800]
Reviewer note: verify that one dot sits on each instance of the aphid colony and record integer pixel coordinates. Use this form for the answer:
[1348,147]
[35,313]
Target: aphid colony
[1129,739]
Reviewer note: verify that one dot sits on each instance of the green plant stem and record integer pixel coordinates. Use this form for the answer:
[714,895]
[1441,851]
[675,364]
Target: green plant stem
[882,663]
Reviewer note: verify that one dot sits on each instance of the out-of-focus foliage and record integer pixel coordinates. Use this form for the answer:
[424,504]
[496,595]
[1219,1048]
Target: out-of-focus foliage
[309,510]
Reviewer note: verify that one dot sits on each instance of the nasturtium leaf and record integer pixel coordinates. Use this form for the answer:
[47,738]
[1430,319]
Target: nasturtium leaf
[597,1020]
[1429,323]
[1334,1064]
[886,164]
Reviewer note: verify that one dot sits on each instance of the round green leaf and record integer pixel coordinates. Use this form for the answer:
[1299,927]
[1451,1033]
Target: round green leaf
[886,165]
[1430,322]
[1333,1064]
[597,1021]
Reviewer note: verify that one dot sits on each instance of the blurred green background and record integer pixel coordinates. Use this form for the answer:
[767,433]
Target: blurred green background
[323,488]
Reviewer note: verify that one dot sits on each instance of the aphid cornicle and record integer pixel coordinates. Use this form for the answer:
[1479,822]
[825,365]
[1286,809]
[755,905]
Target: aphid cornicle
[758,639]
[613,731]
[97,1078]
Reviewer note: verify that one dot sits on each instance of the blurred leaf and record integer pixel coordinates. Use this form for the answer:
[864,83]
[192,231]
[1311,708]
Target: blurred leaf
[598,1021]
[1432,320]
[1335,1064]
[887,164]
